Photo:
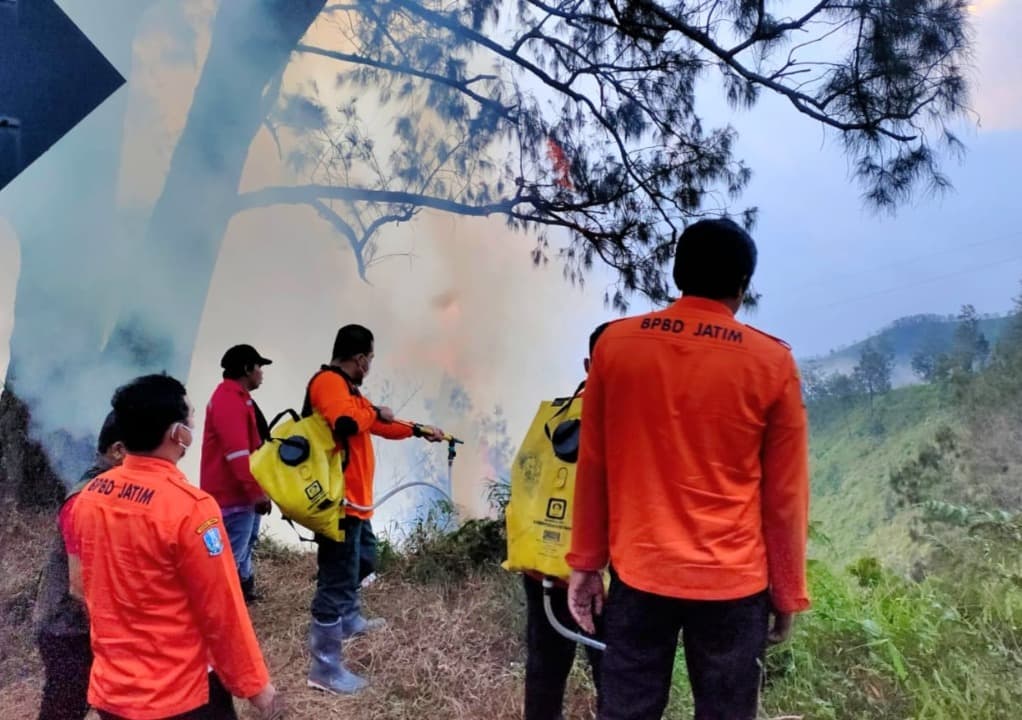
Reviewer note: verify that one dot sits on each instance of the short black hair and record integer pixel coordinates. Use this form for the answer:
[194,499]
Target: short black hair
[352,340]
[714,259]
[146,407]
[109,434]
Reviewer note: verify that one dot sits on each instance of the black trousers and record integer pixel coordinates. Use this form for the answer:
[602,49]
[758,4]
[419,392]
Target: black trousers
[724,643]
[550,655]
[67,662]
[341,568]
[219,707]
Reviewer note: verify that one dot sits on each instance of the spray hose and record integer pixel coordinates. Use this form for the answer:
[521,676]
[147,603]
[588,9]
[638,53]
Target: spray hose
[559,627]
[420,430]
[391,493]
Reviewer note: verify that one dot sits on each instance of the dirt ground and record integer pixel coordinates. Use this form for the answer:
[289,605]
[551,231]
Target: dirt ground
[447,652]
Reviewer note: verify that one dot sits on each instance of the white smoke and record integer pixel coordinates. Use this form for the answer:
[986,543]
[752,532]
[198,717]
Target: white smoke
[461,301]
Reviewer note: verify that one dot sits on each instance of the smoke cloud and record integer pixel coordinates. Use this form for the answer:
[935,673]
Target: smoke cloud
[467,330]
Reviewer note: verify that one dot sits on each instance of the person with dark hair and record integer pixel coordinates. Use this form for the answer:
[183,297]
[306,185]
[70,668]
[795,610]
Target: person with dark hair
[334,394]
[171,636]
[549,656]
[693,489]
[234,429]
[61,622]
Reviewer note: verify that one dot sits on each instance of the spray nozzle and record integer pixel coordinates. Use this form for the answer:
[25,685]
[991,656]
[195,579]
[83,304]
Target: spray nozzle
[419,429]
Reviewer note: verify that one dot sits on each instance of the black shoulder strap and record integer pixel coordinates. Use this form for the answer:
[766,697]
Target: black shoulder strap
[307,406]
[261,425]
[282,413]
[294,527]
[564,408]
[307,402]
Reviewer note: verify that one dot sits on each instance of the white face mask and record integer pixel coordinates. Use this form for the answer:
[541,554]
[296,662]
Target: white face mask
[175,435]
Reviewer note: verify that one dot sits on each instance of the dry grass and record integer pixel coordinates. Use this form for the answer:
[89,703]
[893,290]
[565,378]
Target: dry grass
[450,652]
[24,544]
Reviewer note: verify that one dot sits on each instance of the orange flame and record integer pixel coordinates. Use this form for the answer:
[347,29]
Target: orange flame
[562,167]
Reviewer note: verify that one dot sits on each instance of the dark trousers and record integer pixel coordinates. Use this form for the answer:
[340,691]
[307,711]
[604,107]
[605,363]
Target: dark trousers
[219,707]
[67,661]
[550,655]
[724,643]
[341,568]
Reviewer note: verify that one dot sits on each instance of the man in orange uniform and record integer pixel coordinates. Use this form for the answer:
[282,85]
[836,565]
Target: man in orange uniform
[336,615]
[693,485]
[170,632]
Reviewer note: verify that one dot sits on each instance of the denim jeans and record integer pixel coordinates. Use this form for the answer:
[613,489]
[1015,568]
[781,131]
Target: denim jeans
[342,566]
[242,525]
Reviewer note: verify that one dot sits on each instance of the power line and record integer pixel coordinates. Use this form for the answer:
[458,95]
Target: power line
[909,260]
[924,281]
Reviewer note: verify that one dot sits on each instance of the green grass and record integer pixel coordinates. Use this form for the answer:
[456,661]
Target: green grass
[852,452]
[878,646]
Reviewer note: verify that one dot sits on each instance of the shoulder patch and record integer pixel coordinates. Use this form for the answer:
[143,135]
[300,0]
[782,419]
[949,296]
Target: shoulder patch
[213,542]
[206,526]
[768,335]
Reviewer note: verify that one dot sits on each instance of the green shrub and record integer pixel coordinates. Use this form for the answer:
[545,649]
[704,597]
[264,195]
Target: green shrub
[434,553]
[876,645]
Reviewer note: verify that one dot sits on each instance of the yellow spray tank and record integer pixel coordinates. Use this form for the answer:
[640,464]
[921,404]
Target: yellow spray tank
[539,513]
[302,471]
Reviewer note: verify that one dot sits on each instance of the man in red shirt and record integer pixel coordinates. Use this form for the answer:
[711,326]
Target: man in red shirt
[693,486]
[171,636]
[334,393]
[234,429]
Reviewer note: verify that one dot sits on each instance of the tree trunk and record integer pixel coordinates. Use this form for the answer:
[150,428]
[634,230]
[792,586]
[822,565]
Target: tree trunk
[251,42]
[67,354]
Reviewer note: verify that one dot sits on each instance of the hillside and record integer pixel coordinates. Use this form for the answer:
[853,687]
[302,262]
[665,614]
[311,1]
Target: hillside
[905,337]
[852,453]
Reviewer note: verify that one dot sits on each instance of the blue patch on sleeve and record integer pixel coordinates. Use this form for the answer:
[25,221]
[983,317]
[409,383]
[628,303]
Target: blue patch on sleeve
[214,544]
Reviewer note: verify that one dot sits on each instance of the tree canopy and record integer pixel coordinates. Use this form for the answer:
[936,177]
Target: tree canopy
[581,114]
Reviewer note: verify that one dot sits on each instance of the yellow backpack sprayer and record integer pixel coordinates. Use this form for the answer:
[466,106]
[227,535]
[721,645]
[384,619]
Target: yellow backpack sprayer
[539,513]
[302,470]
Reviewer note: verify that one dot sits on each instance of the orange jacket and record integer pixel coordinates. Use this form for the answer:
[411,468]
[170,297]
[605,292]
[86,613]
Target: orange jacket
[693,475]
[334,397]
[162,593]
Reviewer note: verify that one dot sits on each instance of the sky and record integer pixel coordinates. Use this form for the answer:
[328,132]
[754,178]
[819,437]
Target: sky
[462,305]
[832,271]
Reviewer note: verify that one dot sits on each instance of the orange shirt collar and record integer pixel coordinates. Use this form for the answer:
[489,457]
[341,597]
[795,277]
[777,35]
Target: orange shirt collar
[691,302]
[150,464]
